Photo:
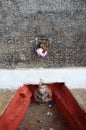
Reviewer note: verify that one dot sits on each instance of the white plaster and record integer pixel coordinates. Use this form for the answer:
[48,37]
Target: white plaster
[72,77]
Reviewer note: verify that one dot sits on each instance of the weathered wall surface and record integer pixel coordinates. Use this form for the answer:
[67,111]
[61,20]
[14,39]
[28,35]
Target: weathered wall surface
[62,21]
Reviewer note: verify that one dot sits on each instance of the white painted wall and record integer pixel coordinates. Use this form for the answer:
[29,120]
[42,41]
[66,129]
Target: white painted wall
[73,77]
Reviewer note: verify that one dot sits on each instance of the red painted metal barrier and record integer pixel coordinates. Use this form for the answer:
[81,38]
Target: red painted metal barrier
[17,108]
[68,106]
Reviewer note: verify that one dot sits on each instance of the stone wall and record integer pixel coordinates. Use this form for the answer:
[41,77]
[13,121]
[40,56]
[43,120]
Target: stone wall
[63,22]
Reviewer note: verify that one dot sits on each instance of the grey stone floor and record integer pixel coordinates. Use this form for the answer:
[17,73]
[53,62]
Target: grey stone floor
[63,22]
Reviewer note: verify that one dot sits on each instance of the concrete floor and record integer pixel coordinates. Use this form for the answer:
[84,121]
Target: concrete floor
[80,96]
